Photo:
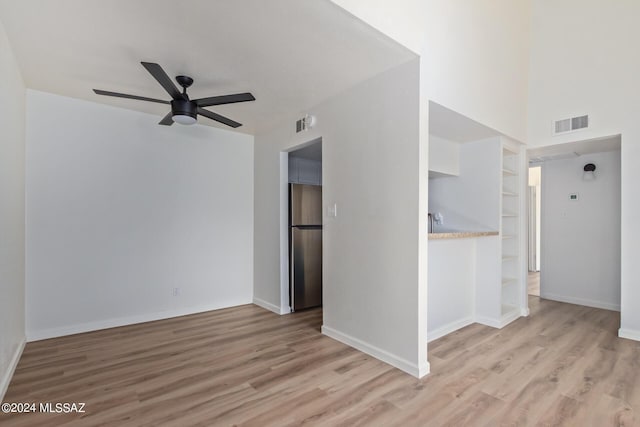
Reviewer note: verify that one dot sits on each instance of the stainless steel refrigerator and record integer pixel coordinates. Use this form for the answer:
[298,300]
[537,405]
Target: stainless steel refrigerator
[305,246]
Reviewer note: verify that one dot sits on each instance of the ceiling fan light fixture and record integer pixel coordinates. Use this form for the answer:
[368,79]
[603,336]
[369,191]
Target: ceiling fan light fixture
[183,119]
[184,111]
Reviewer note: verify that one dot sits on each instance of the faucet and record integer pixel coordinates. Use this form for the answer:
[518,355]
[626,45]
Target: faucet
[430,225]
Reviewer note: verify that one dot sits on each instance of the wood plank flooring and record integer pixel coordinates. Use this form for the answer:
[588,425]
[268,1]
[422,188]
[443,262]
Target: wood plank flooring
[563,365]
[533,283]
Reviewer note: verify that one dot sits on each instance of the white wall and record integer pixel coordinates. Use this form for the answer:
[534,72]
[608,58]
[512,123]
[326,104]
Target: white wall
[464,284]
[598,76]
[371,171]
[444,156]
[581,239]
[470,201]
[452,285]
[12,148]
[474,55]
[402,20]
[473,60]
[120,211]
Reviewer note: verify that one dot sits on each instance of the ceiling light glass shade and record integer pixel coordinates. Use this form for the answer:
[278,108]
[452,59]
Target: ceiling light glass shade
[589,173]
[183,119]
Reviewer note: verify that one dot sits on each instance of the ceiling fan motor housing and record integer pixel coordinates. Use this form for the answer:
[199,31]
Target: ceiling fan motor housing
[184,107]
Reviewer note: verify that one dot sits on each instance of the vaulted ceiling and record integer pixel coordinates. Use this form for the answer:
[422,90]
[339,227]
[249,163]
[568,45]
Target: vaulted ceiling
[290,54]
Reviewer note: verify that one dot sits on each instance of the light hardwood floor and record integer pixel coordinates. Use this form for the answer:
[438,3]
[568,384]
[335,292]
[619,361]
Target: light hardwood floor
[533,283]
[563,365]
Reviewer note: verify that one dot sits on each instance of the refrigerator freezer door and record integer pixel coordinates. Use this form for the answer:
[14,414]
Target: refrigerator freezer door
[306,268]
[306,204]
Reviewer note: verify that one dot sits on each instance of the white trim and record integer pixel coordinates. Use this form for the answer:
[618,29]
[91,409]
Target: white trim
[424,369]
[79,328]
[284,234]
[509,317]
[581,301]
[285,310]
[524,312]
[271,307]
[503,321]
[378,353]
[6,378]
[488,321]
[448,328]
[629,334]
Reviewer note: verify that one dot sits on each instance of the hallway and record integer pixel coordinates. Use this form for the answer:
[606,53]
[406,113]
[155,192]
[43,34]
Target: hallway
[533,283]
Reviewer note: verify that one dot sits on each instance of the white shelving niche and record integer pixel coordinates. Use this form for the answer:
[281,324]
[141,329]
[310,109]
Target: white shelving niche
[510,231]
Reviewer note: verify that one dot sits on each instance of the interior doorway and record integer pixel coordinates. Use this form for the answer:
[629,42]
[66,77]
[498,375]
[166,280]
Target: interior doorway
[534,213]
[578,255]
[301,232]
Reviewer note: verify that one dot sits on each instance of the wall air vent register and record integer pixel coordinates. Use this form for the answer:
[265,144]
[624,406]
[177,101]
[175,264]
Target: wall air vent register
[570,125]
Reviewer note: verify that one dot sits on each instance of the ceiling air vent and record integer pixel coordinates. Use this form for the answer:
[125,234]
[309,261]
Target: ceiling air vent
[570,125]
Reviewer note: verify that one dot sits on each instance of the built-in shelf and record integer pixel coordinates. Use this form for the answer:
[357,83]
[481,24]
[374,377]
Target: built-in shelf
[508,281]
[507,151]
[508,309]
[510,223]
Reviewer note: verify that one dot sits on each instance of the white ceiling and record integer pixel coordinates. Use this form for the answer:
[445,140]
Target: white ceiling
[290,54]
[453,126]
[575,149]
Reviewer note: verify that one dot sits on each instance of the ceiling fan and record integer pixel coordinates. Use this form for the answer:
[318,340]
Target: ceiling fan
[183,109]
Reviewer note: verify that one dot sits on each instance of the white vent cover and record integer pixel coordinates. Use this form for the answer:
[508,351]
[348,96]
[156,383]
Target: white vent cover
[570,125]
[305,123]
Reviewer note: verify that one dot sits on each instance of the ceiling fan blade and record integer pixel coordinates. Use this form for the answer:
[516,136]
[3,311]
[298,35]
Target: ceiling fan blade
[158,73]
[218,118]
[224,99]
[124,95]
[167,120]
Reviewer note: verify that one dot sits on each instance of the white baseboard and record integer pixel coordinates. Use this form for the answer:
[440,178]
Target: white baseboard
[524,312]
[488,321]
[285,310]
[43,334]
[378,353]
[629,334]
[6,376]
[509,317]
[502,321]
[448,328]
[581,301]
[268,306]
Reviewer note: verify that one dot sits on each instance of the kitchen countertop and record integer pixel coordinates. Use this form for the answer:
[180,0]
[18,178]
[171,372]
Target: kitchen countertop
[461,234]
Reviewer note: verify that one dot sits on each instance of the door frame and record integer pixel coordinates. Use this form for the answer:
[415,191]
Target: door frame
[284,220]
